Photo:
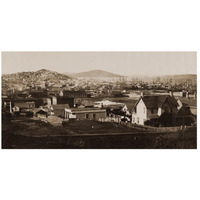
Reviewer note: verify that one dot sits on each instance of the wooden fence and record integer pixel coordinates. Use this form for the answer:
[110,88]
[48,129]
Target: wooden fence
[158,129]
[142,127]
[110,119]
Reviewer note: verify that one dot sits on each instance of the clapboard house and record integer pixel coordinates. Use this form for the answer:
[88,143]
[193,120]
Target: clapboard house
[150,108]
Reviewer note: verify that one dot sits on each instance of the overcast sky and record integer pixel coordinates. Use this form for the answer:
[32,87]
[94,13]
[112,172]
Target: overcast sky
[123,63]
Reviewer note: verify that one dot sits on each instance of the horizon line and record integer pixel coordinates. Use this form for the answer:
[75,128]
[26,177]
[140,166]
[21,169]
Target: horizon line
[144,75]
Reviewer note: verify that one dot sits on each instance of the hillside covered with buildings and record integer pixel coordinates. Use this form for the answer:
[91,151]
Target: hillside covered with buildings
[161,104]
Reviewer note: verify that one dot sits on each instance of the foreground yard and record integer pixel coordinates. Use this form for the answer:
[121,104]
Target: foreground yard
[24,133]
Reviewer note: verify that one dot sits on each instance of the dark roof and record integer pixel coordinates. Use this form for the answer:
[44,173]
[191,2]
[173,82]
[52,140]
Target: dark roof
[42,112]
[157,101]
[74,92]
[87,110]
[24,104]
[185,110]
[130,106]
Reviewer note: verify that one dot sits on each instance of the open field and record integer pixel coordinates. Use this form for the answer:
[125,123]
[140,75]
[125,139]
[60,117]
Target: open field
[23,133]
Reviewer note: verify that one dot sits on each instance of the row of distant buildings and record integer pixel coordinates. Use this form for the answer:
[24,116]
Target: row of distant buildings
[152,110]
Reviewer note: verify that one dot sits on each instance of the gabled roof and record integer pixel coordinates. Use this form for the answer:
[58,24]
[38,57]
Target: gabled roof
[157,101]
[185,110]
[130,106]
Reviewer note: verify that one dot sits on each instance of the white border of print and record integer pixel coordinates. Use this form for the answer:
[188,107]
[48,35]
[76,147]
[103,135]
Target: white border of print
[106,25]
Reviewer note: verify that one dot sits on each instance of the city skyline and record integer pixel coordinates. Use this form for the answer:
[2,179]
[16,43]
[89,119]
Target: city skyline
[122,63]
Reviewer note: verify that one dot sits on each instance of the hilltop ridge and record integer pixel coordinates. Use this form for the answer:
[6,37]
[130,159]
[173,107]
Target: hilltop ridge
[95,73]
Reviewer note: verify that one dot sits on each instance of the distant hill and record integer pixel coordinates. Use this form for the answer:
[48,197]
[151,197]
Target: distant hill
[95,73]
[40,75]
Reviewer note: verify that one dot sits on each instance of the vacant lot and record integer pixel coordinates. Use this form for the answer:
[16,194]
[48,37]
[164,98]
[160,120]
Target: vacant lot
[24,133]
[29,127]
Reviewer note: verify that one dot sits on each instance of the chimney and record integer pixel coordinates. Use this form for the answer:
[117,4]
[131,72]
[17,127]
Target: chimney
[142,94]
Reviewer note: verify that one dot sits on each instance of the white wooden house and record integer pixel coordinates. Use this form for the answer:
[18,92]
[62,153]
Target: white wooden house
[151,107]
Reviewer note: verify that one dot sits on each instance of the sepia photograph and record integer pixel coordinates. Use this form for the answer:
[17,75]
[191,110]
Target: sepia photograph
[99,100]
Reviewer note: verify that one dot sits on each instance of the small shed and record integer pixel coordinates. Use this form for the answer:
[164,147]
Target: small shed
[39,112]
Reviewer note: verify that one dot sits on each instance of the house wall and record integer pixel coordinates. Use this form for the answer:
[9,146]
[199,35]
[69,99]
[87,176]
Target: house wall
[41,115]
[54,101]
[98,115]
[48,101]
[159,111]
[75,94]
[141,113]
[63,100]
[59,112]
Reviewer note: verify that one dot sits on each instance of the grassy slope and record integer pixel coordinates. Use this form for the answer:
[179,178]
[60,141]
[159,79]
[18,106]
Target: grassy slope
[29,133]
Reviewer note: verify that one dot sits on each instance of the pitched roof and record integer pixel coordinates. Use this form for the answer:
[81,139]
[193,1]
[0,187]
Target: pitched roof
[185,110]
[130,106]
[157,101]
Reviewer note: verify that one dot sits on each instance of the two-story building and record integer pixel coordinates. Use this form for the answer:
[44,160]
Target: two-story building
[152,107]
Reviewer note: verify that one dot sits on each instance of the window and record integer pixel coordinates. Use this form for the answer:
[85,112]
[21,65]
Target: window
[94,116]
[138,120]
[151,110]
[87,116]
[144,110]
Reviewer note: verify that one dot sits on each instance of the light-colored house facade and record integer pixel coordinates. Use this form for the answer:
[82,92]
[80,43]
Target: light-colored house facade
[112,105]
[152,107]
[140,115]
[88,113]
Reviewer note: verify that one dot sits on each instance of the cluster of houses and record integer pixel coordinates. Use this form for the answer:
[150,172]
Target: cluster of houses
[151,110]
[162,110]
